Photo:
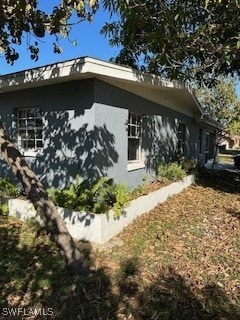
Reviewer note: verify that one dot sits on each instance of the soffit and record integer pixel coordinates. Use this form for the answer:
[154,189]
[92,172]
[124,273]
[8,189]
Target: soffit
[172,94]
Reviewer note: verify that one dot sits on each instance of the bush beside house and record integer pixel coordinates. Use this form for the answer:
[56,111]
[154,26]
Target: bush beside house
[100,227]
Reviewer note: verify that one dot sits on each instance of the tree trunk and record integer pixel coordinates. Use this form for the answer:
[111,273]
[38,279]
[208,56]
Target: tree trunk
[45,208]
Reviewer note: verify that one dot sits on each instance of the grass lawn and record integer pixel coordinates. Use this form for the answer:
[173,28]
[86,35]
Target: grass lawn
[180,261]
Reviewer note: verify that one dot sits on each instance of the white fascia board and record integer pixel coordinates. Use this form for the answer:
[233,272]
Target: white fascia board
[113,70]
[51,73]
[87,67]
[126,75]
[78,68]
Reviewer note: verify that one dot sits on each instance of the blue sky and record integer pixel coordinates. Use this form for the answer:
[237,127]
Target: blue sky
[89,43]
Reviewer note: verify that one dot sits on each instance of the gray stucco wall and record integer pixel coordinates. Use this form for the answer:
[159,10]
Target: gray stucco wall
[70,135]
[85,131]
[159,130]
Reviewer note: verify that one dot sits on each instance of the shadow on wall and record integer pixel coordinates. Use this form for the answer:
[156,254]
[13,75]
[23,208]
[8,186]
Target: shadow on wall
[72,144]
[72,147]
[159,141]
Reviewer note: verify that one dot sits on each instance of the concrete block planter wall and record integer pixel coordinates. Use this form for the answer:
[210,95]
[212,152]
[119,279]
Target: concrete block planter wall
[99,228]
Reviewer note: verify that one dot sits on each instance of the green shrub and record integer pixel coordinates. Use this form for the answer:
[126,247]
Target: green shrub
[122,198]
[139,190]
[177,157]
[101,196]
[8,188]
[171,171]
[189,165]
[3,207]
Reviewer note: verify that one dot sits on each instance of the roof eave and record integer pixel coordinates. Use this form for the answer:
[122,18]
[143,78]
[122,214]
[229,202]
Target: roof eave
[207,121]
[87,67]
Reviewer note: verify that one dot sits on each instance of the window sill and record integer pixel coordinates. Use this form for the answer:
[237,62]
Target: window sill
[32,153]
[135,166]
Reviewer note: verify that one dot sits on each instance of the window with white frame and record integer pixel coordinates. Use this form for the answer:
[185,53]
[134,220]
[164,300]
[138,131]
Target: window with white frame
[134,137]
[181,136]
[30,128]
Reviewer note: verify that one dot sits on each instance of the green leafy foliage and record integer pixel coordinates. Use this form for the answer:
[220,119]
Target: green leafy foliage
[170,171]
[140,189]
[21,17]
[178,39]
[221,102]
[101,196]
[3,207]
[8,188]
[189,165]
[122,197]
[180,261]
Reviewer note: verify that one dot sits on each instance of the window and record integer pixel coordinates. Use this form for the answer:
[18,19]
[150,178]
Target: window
[181,137]
[30,128]
[134,137]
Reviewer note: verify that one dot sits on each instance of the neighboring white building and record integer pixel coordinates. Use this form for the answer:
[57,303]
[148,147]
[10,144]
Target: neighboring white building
[231,142]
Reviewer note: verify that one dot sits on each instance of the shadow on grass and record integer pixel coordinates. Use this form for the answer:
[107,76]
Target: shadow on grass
[222,180]
[32,275]
[169,297]
[234,212]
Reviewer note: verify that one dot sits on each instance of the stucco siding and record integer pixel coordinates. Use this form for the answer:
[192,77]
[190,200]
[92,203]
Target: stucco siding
[69,129]
[86,131]
[159,130]
[113,119]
